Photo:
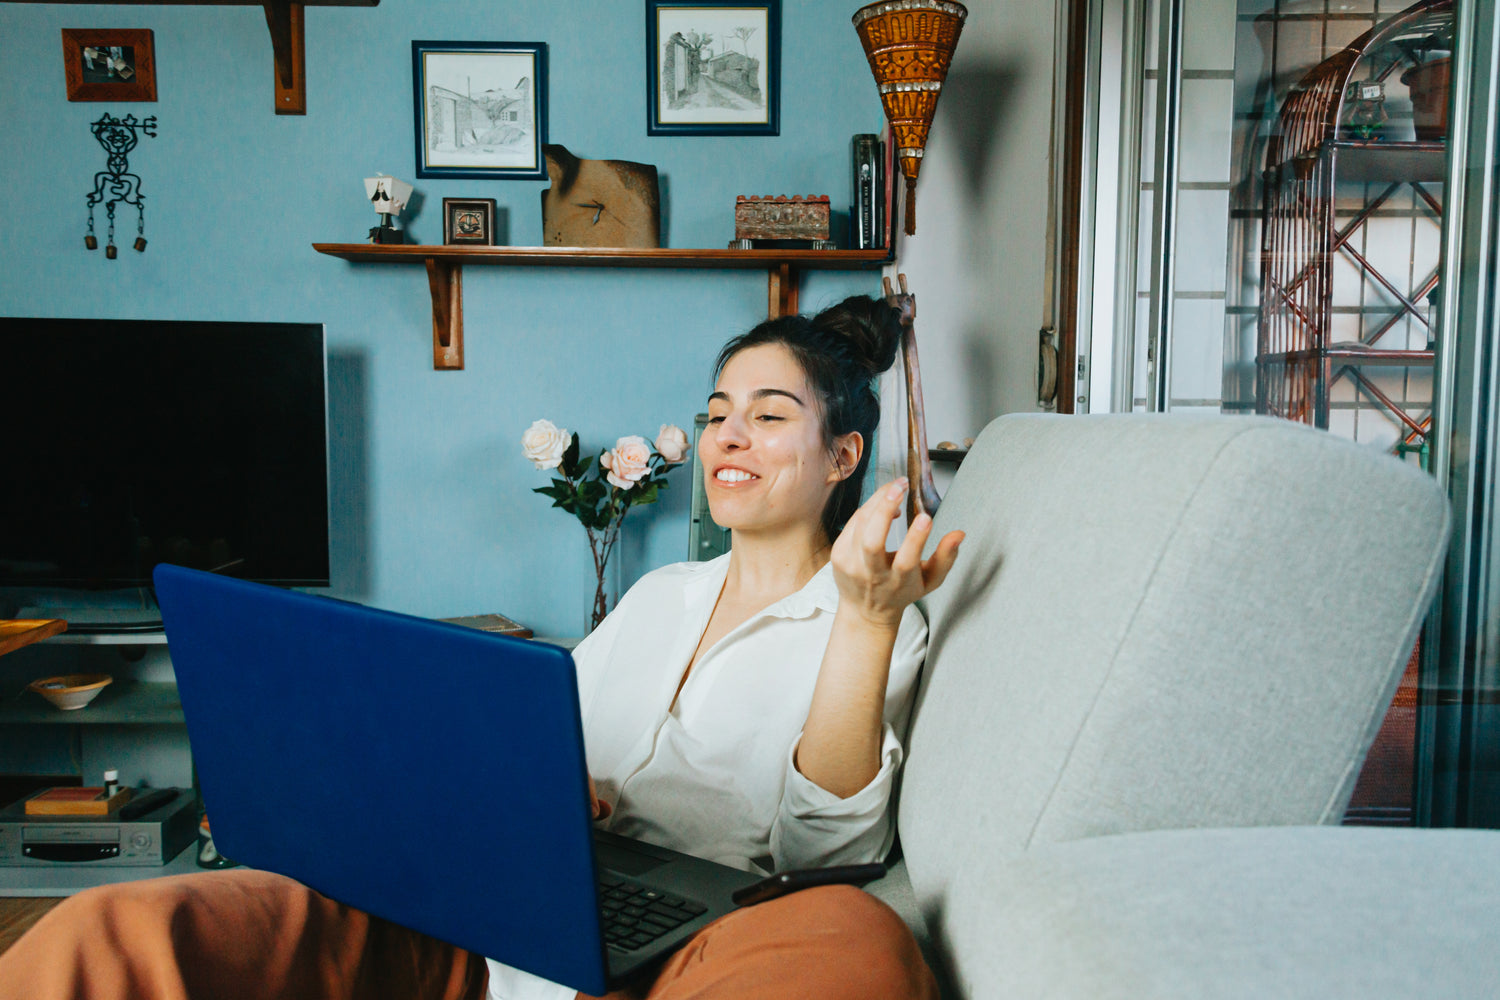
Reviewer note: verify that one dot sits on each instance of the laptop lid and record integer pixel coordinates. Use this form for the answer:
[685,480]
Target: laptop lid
[423,772]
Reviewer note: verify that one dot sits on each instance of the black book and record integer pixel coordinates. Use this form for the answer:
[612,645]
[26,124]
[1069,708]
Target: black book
[864,214]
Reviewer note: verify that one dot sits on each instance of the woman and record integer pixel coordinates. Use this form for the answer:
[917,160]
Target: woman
[747,710]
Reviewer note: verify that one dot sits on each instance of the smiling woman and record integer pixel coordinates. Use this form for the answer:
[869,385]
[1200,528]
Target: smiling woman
[751,710]
[808,375]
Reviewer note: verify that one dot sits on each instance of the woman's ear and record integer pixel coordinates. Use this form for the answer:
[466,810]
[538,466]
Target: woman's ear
[845,455]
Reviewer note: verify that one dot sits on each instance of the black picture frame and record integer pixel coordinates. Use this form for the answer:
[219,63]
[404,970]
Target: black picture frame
[480,109]
[469,222]
[740,95]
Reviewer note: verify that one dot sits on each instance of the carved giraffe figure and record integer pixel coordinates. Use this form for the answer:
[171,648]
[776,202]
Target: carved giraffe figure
[923,494]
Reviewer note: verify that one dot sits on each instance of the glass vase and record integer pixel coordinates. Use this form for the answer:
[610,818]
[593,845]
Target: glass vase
[602,592]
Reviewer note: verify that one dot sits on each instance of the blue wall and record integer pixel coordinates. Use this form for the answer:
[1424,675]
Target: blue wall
[432,507]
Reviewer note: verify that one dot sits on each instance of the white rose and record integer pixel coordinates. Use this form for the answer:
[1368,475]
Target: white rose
[628,461]
[672,443]
[544,443]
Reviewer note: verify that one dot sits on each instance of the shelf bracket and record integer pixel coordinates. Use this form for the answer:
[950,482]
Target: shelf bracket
[446,280]
[284,19]
[781,281]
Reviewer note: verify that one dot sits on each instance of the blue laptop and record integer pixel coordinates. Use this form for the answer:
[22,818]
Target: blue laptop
[427,773]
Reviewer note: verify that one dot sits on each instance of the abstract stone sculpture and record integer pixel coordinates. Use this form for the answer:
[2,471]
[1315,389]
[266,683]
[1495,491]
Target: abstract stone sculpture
[599,203]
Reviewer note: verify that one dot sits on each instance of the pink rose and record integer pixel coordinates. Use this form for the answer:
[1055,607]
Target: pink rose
[545,443]
[628,461]
[672,443]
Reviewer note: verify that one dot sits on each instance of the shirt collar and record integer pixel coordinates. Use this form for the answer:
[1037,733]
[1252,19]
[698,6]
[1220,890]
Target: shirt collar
[820,593]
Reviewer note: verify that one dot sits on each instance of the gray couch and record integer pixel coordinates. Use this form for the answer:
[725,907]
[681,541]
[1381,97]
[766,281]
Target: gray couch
[1153,677]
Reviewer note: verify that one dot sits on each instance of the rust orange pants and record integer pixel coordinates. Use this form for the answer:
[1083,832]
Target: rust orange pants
[244,934]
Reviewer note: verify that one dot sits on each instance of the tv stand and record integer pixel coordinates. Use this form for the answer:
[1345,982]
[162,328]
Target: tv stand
[90,622]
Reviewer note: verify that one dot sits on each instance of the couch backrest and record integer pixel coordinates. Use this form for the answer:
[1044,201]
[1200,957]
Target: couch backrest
[1160,622]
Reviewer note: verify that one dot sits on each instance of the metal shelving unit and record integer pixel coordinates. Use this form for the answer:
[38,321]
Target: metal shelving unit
[1330,150]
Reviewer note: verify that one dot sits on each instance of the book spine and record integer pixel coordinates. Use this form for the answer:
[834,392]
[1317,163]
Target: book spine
[862,217]
[888,151]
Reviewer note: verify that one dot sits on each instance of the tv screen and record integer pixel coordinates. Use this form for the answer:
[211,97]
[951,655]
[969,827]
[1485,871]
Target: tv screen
[128,443]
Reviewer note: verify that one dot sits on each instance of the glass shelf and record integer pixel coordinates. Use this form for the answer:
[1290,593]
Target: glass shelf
[124,702]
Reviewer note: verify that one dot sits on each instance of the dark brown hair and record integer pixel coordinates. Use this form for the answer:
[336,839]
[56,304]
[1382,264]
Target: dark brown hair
[841,351]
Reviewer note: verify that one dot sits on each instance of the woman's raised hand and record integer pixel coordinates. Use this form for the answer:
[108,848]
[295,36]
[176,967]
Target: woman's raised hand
[877,584]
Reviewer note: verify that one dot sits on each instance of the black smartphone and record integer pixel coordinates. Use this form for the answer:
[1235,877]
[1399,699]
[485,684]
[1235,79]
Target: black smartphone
[784,882]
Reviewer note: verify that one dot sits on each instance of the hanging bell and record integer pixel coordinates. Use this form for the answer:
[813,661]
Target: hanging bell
[140,244]
[91,242]
[110,251]
[910,44]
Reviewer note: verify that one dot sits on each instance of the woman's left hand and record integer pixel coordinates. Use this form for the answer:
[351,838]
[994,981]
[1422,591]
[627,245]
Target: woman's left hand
[876,584]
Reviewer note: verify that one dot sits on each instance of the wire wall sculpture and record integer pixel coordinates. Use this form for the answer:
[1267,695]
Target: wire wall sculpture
[116,185]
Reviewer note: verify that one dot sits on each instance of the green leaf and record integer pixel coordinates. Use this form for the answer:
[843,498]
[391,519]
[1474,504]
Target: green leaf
[646,494]
[570,457]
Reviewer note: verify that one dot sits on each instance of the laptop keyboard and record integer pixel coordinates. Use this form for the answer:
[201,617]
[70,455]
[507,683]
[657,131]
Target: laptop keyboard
[635,915]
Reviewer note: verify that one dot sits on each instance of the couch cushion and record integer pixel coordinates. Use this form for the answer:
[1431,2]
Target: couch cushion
[1159,622]
[1287,912]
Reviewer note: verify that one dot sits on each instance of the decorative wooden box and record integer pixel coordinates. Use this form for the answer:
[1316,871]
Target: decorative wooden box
[781,217]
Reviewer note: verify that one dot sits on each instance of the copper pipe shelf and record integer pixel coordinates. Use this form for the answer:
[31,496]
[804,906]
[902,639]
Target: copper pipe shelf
[1422,162]
[1352,356]
[445,273]
[1318,171]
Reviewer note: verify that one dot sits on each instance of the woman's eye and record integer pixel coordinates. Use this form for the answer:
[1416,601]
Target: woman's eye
[716,420]
[769,417]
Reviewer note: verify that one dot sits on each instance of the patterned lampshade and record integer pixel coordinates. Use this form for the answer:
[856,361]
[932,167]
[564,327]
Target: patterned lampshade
[910,44]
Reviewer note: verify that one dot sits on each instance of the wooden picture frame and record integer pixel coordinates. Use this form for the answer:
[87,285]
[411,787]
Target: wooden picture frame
[480,109]
[713,68]
[469,221]
[109,64]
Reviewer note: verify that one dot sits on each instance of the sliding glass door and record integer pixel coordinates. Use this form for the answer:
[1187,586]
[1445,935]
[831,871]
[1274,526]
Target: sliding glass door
[1289,221]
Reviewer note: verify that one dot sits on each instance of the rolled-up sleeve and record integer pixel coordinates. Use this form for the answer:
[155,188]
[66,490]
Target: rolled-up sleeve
[815,828]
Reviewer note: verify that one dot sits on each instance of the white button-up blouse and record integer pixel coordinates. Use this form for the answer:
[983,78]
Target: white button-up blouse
[712,774]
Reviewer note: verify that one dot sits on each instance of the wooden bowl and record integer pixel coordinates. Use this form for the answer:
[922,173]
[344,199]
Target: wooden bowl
[71,691]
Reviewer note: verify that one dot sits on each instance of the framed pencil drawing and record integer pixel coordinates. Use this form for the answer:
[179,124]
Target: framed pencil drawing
[480,109]
[713,68]
[109,64]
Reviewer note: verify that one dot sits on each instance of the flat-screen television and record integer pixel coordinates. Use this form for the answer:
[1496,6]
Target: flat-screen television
[127,443]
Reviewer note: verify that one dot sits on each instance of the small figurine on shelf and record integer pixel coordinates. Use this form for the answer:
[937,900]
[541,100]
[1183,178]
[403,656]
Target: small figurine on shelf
[388,196]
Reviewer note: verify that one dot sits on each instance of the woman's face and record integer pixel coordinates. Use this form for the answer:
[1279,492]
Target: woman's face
[765,464]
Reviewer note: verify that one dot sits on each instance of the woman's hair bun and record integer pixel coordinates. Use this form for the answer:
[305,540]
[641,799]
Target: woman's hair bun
[868,329]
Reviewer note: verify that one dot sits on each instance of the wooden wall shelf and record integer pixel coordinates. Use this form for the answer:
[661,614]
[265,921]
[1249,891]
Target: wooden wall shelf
[445,273]
[284,19]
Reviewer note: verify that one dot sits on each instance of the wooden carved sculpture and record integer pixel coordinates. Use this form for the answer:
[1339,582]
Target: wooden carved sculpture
[922,497]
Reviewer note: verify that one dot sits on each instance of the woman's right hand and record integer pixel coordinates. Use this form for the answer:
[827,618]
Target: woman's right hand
[877,584]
